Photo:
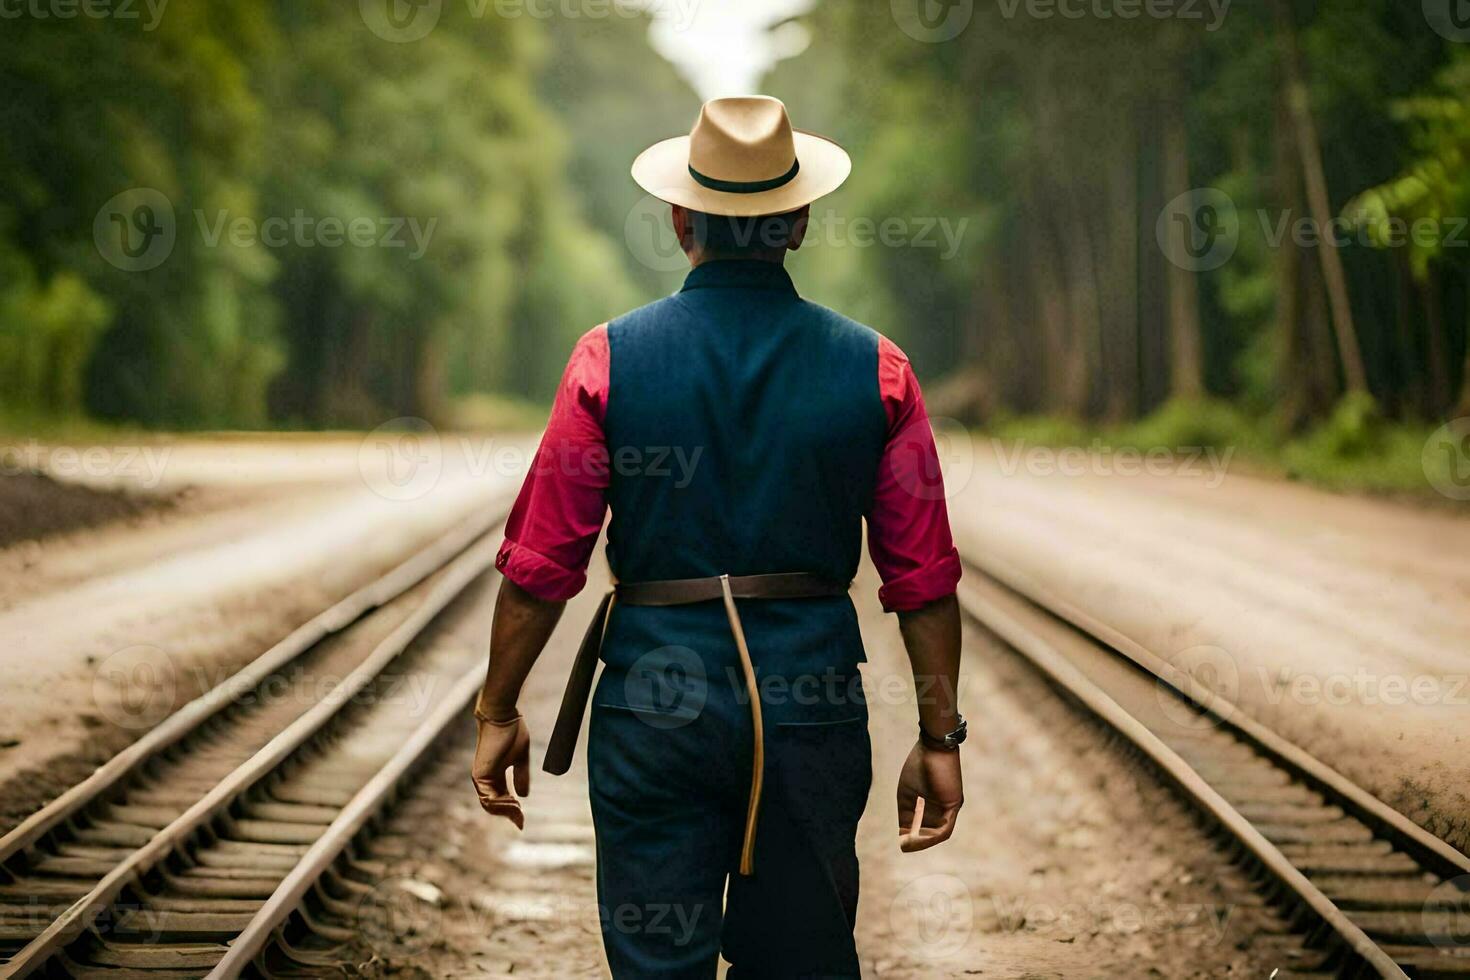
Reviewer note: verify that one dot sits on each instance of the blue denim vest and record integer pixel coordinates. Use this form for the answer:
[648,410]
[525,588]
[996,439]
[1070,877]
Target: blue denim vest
[745,429]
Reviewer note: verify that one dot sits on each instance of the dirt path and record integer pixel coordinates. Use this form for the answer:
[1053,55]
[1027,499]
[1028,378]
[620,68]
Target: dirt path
[97,620]
[1267,586]
[1339,622]
[1031,886]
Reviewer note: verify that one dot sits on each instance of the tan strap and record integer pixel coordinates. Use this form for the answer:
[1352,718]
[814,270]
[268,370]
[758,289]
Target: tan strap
[758,759]
[679,592]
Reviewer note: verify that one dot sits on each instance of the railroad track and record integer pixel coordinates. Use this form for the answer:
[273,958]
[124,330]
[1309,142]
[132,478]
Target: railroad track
[236,838]
[1372,893]
[185,853]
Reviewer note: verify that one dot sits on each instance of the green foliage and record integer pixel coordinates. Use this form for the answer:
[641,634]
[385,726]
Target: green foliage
[1042,430]
[1055,139]
[257,111]
[496,413]
[94,108]
[1358,449]
[47,333]
[615,98]
[1177,423]
[1433,190]
[1204,422]
[1046,144]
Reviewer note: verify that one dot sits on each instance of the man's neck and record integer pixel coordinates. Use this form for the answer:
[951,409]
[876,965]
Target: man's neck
[773,256]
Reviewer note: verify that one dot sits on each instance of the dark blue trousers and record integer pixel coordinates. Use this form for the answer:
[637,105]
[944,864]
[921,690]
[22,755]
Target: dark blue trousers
[670,784]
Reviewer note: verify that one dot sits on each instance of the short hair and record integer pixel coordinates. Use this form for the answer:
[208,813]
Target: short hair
[729,234]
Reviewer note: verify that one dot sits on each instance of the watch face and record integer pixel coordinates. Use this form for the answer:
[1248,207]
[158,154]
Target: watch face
[958,735]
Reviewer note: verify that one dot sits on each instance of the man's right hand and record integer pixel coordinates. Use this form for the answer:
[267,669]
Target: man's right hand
[502,745]
[930,779]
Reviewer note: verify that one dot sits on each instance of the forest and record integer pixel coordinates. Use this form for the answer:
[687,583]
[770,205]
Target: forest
[1246,227]
[259,125]
[1248,232]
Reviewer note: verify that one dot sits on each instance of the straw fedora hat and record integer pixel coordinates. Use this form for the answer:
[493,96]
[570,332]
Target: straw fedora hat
[742,158]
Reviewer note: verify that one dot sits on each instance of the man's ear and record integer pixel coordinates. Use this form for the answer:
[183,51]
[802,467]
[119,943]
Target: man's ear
[680,217]
[798,227]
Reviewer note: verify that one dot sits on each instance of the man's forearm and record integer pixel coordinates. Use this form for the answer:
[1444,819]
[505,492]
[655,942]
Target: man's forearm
[932,637]
[522,625]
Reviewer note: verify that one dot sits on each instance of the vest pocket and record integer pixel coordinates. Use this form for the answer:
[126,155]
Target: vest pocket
[824,722]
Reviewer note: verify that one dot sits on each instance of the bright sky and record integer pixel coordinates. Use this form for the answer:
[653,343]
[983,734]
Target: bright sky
[725,47]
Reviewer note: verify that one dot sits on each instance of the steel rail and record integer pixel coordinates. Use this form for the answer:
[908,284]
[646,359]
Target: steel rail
[366,804]
[462,571]
[1434,853]
[192,715]
[1063,674]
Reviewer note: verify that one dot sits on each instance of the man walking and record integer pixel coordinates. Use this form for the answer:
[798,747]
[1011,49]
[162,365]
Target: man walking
[728,754]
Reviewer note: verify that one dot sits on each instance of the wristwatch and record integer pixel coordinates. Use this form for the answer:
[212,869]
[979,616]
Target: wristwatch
[950,742]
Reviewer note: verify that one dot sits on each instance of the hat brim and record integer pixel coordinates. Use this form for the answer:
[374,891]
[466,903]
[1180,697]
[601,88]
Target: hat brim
[663,171]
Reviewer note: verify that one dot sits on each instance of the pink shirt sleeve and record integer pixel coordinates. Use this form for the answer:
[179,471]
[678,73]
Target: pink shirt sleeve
[908,527]
[558,515]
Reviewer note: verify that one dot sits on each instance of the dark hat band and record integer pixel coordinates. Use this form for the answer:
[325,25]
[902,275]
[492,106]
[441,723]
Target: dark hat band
[746,186]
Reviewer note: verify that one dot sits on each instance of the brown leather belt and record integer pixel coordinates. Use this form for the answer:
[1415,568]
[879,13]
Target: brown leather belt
[680,592]
[683,591]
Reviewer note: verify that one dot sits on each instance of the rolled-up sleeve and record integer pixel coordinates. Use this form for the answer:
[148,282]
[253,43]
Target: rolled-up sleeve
[909,536]
[554,524]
